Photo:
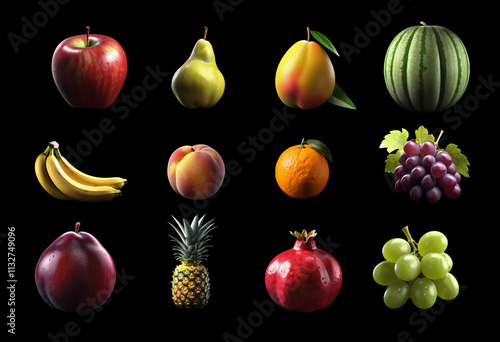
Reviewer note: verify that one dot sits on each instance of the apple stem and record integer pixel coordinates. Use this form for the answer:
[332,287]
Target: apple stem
[88,33]
[77,227]
[308,33]
[205,33]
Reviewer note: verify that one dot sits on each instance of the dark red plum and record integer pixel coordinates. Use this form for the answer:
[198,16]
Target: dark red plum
[75,272]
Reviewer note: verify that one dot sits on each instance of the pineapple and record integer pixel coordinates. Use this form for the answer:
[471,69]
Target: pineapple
[190,281]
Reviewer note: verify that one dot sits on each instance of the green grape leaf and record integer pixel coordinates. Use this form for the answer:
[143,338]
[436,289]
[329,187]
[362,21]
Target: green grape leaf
[392,161]
[395,140]
[321,147]
[460,161]
[339,98]
[422,134]
[323,40]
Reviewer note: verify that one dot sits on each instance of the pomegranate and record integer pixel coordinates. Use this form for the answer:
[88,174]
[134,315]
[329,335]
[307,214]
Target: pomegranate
[304,278]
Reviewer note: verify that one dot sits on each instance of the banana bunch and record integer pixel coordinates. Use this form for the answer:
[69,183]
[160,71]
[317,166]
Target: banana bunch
[65,182]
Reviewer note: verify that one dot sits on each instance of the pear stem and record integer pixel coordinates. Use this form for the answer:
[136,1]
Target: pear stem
[87,35]
[77,227]
[308,33]
[205,33]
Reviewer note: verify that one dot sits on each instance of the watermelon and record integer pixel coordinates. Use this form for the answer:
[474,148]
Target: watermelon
[426,68]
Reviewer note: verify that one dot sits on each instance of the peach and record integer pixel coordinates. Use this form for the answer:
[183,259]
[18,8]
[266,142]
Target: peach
[305,77]
[195,172]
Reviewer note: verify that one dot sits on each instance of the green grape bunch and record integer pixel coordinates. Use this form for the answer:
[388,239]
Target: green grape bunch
[417,271]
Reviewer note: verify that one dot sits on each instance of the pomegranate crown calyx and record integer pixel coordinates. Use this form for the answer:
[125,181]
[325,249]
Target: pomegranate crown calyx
[304,236]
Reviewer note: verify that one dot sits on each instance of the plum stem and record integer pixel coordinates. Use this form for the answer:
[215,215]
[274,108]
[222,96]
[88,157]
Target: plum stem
[87,36]
[77,227]
[205,33]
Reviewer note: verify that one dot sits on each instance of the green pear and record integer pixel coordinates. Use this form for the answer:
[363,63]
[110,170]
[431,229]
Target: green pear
[198,82]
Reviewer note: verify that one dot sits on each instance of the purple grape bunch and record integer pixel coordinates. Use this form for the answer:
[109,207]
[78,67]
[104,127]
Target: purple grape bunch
[426,172]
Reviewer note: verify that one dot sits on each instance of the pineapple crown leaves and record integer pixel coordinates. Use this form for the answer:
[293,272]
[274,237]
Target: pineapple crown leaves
[191,246]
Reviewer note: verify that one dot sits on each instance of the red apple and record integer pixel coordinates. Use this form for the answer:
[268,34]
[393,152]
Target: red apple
[89,70]
[196,172]
[75,272]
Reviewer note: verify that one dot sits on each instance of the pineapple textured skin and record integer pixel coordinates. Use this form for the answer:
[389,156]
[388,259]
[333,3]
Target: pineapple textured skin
[190,286]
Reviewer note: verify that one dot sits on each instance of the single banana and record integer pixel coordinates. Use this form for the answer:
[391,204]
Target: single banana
[83,178]
[73,189]
[43,176]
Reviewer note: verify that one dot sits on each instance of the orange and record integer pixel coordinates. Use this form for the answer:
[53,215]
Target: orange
[302,171]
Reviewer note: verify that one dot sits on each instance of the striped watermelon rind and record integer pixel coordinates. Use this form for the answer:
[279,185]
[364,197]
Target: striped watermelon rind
[426,68]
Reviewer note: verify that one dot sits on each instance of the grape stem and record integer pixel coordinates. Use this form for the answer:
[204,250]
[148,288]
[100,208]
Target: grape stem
[412,242]
[439,137]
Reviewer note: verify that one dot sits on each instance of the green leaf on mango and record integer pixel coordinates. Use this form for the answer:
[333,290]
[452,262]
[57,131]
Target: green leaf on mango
[323,40]
[340,98]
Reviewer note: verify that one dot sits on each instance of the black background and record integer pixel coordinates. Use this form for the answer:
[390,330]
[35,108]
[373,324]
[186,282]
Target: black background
[357,211]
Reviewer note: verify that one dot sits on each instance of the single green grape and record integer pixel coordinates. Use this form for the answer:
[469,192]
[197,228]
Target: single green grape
[447,287]
[396,294]
[449,260]
[407,267]
[423,293]
[432,241]
[394,248]
[383,273]
[434,265]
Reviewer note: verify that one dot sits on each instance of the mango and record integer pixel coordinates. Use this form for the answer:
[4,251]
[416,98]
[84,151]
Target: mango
[305,77]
